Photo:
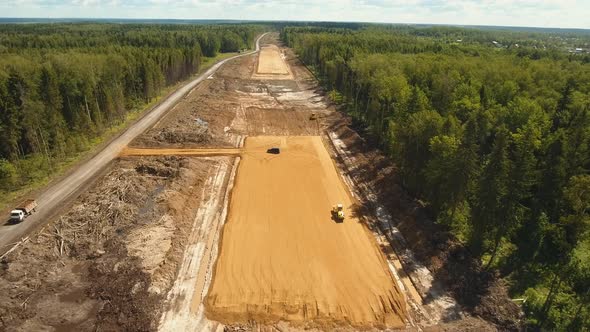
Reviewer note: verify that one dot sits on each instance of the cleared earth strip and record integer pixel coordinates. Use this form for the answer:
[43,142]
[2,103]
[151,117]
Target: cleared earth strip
[318,270]
[184,309]
[129,152]
[440,305]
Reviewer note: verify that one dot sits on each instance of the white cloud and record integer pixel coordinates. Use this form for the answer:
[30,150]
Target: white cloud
[550,13]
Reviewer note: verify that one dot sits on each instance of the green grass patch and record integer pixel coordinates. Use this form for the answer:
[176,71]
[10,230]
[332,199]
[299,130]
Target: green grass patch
[207,62]
[335,96]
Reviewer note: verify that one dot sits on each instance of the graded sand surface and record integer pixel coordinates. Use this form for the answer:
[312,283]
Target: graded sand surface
[271,64]
[282,257]
[127,152]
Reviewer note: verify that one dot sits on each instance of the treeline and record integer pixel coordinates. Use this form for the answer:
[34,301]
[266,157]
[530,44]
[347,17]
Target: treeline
[496,143]
[450,40]
[62,85]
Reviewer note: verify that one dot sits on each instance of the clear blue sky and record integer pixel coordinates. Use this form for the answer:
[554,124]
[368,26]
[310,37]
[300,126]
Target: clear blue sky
[539,13]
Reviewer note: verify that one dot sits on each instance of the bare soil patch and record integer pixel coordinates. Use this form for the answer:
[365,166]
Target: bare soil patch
[108,262]
[230,106]
[271,64]
[283,256]
[270,61]
[127,152]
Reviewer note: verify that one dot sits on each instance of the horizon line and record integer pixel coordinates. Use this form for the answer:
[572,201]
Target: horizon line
[277,21]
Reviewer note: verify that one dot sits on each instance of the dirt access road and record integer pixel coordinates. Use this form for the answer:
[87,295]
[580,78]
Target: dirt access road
[55,196]
[128,152]
[284,257]
[272,64]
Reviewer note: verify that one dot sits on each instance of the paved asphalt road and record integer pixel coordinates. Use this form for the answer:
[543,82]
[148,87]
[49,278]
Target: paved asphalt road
[58,194]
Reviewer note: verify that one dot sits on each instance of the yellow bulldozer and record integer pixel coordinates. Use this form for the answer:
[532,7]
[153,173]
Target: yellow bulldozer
[338,212]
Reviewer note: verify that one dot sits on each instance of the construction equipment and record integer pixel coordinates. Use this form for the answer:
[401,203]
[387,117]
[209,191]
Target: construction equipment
[338,212]
[24,210]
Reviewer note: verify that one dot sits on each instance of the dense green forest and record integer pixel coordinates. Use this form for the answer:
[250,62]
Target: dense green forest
[493,136]
[62,85]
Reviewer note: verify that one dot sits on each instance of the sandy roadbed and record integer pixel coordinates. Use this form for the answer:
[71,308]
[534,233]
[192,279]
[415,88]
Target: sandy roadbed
[179,152]
[282,256]
[272,64]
